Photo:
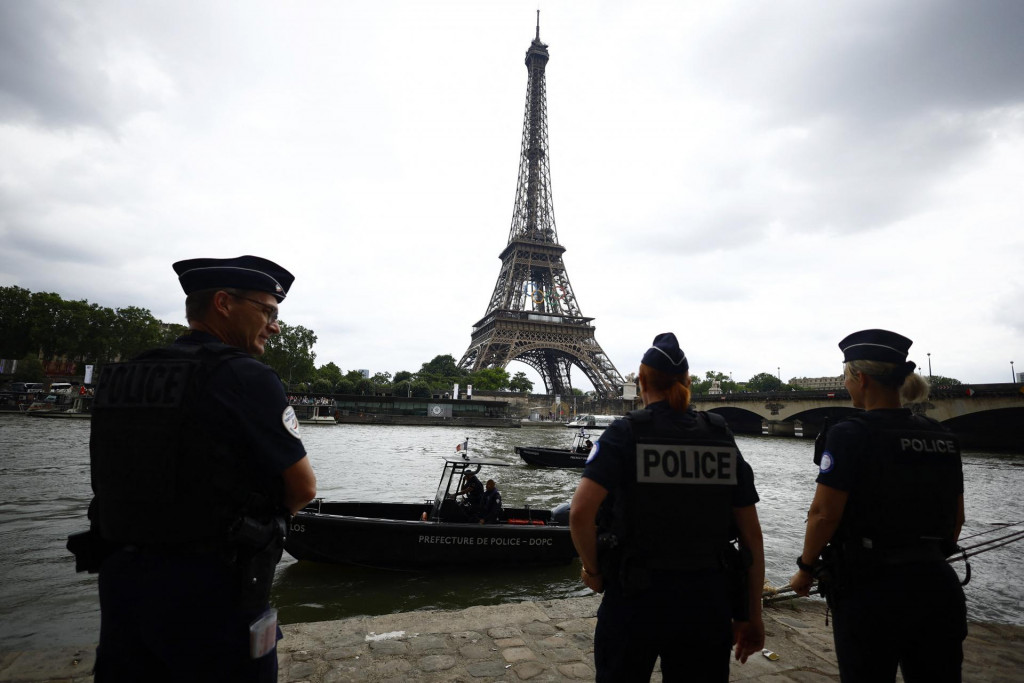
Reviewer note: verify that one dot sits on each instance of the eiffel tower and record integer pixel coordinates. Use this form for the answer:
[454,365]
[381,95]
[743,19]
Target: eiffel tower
[533,315]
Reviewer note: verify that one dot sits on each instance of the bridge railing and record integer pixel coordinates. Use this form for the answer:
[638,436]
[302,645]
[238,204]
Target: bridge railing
[937,391]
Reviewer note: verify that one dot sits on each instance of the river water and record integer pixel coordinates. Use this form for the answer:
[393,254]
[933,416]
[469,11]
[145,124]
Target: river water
[44,493]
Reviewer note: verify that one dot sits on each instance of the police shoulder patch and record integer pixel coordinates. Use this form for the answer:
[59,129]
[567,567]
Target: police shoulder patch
[291,423]
[593,451]
[827,462]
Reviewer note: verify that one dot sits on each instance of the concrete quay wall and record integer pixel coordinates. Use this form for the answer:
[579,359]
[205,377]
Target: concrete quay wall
[530,641]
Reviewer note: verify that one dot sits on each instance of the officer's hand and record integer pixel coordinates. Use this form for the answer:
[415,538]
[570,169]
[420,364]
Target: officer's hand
[594,582]
[801,582]
[748,637]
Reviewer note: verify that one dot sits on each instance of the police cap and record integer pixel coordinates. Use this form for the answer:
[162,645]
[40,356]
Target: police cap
[877,345]
[665,355]
[243,272]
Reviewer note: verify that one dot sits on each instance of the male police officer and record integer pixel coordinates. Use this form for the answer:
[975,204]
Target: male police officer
[660,497]
[196,462]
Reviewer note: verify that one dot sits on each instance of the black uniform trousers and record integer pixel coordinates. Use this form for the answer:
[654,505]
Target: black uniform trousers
[168,618]
[683,617]
[911,615]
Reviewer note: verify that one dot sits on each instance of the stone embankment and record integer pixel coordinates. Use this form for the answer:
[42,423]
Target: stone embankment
[530,641]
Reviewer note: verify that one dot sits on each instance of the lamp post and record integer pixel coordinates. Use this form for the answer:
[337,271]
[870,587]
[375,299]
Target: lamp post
[778,371]
[929,365]
[1013,377]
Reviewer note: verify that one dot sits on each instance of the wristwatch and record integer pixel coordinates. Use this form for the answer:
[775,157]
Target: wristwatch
[800,563]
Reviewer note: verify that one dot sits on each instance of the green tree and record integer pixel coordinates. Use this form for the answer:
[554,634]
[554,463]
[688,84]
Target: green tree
[421,389]
[344,386]
[136,330]
[489,379]
[402,376]
[322,386]
[521,383]
[290,353]
[764,381]
[940,381]
[15,322]
[29,370]
[330,372]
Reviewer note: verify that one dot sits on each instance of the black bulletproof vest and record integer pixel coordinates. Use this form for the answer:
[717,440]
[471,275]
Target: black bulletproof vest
[159,476]
[907,495]
[677,504]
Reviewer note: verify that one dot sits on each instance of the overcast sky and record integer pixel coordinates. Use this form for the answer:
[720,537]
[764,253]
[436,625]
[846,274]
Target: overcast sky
[760,178]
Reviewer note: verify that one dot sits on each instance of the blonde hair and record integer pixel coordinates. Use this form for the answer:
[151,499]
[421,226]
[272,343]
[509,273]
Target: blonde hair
[673,385]
[912,388]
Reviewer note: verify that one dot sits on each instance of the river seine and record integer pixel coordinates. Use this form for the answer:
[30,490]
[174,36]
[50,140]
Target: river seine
[44,493]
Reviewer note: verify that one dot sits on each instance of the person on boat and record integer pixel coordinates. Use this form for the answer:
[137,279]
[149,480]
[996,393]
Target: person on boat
[196,463]
[662,494]
[886,513]
[473,492]
[490,503]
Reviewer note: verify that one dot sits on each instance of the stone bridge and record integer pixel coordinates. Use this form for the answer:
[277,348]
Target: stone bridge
[985,415]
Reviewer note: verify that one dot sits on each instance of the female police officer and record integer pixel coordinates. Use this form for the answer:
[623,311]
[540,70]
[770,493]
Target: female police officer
[889,504]
[652,518]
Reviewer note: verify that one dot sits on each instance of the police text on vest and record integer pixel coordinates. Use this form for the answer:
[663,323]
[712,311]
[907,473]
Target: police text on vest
[683,464]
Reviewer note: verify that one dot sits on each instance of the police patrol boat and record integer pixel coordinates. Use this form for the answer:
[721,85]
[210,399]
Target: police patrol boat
[573,457]
[433,533]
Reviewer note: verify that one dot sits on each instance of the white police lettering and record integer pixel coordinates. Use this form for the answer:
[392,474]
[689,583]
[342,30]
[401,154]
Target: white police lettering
[685,464]
[925,445]
[291,423]
[483,540]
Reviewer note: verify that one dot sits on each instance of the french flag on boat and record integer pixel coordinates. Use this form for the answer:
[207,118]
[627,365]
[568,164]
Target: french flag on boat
[464,446]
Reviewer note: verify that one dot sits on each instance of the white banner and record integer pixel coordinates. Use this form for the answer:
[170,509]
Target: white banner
[88,374]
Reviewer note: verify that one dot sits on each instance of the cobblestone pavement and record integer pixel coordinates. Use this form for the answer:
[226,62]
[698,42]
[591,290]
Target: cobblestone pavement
[530,641]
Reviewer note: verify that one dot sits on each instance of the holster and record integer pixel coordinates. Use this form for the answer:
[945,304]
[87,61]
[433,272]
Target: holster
[90,550]
[737,562]
[258,547]
[609,556]
[828,571]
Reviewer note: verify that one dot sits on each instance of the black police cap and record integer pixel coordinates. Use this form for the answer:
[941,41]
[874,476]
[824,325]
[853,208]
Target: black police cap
[243,272]
[665,355]
[878,345]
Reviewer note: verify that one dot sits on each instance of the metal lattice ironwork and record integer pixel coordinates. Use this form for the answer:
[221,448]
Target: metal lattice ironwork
[533,315]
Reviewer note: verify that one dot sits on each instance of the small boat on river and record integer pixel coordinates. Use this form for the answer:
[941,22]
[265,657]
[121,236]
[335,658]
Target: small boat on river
[316,413]
[80,407]
[432,533]
[573,457]
[592,421]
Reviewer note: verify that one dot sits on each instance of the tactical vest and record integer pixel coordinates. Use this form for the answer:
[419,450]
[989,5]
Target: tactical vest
[676,507]
[903,508]
[160,477]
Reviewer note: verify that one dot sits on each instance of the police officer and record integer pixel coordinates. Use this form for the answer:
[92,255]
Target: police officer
[662,494]
[473,491]
[889,505]
[196,462]
[490,503]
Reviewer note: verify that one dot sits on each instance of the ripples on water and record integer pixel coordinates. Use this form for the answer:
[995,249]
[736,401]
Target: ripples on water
[44,493]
